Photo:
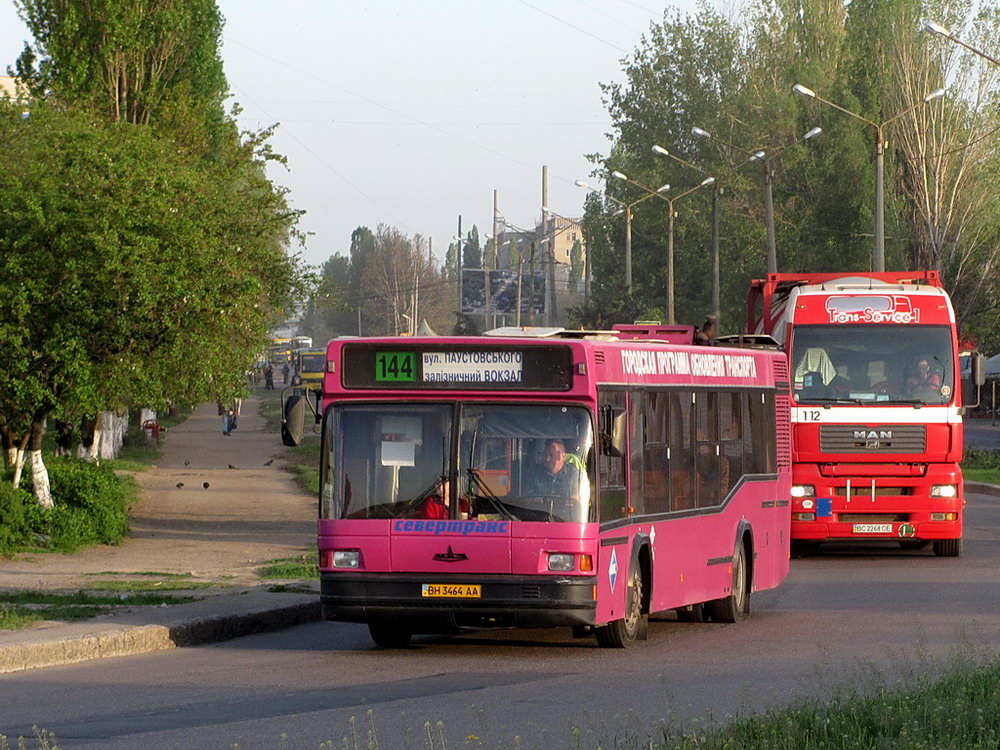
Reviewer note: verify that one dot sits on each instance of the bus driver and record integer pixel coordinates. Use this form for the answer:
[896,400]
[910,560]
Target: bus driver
[555,476]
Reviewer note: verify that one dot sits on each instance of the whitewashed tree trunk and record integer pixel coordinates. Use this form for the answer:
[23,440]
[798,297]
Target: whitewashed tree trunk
[40,480]
[113,429]
[94,453]
[18,464]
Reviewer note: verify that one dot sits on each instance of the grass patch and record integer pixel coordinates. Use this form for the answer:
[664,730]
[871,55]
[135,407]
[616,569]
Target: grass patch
[19,609]
[989,476]
[920,713]
[980,465]
[161,585]
[302,567]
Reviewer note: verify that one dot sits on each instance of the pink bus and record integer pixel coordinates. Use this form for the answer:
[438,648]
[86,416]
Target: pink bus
[599,477]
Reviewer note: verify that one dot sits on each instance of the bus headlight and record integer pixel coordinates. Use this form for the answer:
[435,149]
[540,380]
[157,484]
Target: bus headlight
[347,558]
[944,490]
[803,490]
[561,562]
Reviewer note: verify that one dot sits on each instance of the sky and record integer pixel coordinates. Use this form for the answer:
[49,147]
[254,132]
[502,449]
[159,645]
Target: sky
[410,113]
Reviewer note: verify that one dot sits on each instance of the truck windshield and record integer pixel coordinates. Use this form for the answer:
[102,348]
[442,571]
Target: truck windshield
[514,462]
[872,364]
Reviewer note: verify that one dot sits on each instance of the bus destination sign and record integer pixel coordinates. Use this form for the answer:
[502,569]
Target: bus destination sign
[456,367]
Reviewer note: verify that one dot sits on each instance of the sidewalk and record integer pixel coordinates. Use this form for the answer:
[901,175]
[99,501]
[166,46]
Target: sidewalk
[251,512]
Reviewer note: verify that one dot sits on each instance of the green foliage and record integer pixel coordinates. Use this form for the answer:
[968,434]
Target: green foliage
[14,505]
[91,504]
[977,458]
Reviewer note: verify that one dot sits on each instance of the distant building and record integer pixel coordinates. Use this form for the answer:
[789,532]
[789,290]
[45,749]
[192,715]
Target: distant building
[8,87]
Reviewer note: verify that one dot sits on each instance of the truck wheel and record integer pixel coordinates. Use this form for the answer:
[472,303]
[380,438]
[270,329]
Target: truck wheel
[735,606]
[948,547]
[633,626]
[389,636]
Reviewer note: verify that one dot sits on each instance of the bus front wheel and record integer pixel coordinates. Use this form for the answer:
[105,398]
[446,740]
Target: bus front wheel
[736,606]
[389,636]
[634,625]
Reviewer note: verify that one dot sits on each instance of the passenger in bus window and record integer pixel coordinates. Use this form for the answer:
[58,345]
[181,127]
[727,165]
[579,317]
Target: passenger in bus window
[557,473]
[438,504]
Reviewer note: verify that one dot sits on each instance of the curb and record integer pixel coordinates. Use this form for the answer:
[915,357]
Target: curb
[140,639]
[981,488]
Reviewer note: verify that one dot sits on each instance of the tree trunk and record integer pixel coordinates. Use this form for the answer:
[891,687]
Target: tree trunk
[88,436]
[113,428]
[39,474]
[20,453]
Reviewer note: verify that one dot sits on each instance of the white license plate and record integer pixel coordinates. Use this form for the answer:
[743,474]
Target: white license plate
[873,528]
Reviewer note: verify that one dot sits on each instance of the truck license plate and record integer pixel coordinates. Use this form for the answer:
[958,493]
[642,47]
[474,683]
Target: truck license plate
[873,528]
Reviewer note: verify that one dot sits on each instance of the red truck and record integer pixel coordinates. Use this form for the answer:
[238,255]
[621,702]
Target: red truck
[876,406]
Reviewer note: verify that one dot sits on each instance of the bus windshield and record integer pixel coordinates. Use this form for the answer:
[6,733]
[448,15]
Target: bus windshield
[514,462]
[872,364]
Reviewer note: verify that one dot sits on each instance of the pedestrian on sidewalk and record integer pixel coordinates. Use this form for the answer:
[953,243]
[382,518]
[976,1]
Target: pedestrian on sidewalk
[228,414]
[269,377]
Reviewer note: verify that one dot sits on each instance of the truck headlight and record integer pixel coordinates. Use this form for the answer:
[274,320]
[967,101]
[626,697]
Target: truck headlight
[944,490]
[803,490]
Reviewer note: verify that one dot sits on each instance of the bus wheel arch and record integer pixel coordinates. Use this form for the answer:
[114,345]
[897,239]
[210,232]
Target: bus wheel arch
[634,624]
[735,606]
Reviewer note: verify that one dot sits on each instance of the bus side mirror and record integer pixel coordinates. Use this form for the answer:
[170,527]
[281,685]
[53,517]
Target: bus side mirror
[613,431]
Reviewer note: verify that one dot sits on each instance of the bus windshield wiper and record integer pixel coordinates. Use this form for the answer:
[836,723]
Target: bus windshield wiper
[483,491]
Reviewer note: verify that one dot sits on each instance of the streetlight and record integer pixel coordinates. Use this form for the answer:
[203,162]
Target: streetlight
[716,191]
[765,159]
[627,208]
[671,318]
[936,28]
[879,250]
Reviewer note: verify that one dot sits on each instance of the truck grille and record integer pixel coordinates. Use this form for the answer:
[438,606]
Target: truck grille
[892,438]
[872,517]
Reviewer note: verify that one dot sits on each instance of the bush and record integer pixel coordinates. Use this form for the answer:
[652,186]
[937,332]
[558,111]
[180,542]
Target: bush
[91,506]
[14,528]
[976,458]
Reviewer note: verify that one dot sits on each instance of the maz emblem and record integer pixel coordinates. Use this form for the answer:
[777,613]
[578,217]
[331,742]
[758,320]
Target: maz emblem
[451,556]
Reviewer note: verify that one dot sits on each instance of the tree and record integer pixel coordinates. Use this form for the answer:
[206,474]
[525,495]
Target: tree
[127,60]
[132,273]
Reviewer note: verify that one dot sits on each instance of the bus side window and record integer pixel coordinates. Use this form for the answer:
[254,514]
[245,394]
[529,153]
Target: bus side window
[636,427]
[707,429]
[656,466]
[611,469]
[731,439]
[758,441]
[682,476]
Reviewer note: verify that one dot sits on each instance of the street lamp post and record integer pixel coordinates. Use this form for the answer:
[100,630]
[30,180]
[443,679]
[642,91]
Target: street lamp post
[879,246]
[716,191]
[627,208]
[650,193]
[936,28]
[772,251]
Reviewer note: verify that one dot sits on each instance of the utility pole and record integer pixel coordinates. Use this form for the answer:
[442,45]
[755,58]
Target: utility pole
[496,249]
[549,255]
[458,264]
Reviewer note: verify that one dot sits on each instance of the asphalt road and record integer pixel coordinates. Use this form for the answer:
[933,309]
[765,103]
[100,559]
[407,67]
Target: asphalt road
[840,618]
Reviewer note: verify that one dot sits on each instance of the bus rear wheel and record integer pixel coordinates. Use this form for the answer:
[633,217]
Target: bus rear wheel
[389,636]
[633,626]
[948,547]
[736,606]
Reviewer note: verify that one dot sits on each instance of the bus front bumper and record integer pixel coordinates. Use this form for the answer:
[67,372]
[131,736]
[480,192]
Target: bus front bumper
[505,601]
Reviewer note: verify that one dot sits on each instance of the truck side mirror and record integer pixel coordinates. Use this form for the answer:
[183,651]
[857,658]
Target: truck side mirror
[978,369]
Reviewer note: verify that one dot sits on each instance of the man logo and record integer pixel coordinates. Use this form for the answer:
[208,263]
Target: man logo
[873,435]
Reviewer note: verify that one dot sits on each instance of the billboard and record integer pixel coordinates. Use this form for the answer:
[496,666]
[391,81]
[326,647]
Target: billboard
[503,292]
